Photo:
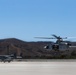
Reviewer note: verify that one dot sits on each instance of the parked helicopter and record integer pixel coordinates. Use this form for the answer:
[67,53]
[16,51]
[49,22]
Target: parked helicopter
[60,44]
[6,58]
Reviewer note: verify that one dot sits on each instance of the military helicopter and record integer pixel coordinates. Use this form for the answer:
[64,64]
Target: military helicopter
[6,58]
[59,44]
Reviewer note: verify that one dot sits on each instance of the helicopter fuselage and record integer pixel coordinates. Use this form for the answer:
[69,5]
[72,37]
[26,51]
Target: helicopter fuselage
[58,46]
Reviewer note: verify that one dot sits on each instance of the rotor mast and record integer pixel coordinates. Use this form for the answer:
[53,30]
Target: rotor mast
[59,39]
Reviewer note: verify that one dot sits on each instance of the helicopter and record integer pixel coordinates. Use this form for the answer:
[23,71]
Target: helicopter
[60,44]
[6,58]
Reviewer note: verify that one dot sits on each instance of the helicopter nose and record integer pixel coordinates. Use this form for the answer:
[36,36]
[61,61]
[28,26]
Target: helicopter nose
[46,47]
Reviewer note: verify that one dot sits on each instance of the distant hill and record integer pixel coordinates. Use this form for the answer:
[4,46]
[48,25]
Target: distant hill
[27,49]
[32,49]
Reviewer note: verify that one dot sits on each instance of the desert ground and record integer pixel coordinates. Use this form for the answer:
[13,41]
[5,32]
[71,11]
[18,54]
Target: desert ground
[38,68]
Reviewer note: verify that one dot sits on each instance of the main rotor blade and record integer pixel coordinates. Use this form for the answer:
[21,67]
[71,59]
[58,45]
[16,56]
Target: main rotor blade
[71,37]
[45,38]
[64,38]
[58,37]
[55,36]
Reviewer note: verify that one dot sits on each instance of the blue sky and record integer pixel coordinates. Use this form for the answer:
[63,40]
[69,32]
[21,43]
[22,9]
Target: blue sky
[26,19]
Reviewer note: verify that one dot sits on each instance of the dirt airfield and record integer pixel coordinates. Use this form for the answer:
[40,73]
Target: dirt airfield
[53,67]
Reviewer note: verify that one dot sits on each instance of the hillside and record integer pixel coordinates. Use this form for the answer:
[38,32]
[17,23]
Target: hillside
[32,49]
[27,49]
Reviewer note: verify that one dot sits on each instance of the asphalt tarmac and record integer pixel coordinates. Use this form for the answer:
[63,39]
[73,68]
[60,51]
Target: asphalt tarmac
[38,68]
